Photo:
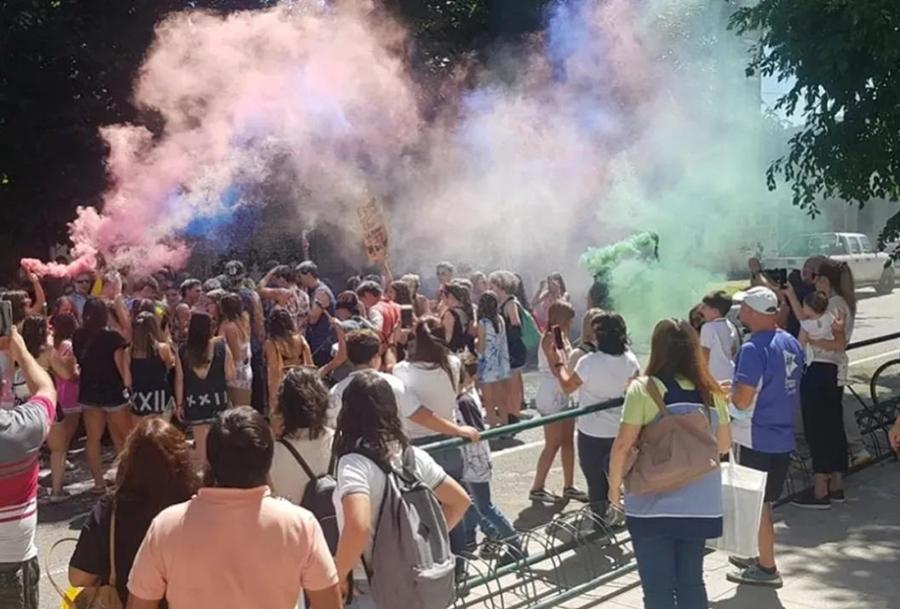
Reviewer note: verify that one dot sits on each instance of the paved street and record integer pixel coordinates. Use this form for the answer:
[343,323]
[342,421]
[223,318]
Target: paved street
[848,557]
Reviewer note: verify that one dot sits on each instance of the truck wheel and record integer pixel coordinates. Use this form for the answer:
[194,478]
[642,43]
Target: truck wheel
[886,284]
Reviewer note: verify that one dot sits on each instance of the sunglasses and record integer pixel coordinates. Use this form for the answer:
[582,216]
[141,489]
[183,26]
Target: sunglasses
[83,282]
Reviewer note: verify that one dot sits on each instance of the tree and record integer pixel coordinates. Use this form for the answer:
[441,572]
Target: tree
[845,57]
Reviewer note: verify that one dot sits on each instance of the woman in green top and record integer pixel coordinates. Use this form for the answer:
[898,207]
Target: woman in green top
[669,529]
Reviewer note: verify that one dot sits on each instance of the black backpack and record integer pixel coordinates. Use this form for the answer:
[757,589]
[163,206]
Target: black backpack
[317,497]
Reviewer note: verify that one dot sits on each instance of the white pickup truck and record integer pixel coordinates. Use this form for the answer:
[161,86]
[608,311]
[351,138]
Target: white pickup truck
[870,268]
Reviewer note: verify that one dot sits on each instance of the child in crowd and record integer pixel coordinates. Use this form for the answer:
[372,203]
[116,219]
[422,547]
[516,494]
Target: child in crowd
[493,360]
[477,478]
[817,322]
[719,337]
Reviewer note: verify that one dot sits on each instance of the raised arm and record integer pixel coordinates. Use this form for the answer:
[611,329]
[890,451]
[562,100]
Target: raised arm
[40,298]
[39,382]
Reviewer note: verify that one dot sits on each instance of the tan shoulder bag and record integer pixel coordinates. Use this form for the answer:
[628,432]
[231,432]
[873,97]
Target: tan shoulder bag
[672,451]
[93,597]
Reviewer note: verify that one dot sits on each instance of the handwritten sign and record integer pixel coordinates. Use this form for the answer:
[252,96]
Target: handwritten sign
[374,230]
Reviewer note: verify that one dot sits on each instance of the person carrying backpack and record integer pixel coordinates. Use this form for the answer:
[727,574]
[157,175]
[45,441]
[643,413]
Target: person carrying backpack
[677,419]
[302,464]
[394,507]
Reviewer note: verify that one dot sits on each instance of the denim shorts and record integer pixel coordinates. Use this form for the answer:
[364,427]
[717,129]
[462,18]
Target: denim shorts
[19,584]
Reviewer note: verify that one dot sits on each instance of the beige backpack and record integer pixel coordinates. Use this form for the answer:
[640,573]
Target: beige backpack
[672,451]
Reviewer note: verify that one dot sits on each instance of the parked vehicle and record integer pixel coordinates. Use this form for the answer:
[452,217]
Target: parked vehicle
[870,268]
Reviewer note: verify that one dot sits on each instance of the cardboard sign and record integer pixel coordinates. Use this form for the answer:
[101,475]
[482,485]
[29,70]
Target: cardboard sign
[374,230]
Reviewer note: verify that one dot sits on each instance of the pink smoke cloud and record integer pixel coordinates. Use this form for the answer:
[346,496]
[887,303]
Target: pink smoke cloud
[323,92]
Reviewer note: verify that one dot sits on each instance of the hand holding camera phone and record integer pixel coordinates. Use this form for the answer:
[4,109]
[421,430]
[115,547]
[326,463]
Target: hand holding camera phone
[558,338]
[406,316]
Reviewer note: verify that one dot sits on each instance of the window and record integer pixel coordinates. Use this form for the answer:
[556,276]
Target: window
[866,245]
[854,244]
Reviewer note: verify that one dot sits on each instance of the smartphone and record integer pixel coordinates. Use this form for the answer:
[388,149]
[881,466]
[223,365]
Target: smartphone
[558,337]
[6,321]
[406,316]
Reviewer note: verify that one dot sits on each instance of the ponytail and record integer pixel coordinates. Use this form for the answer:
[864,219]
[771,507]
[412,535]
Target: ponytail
[431,348]
[846,287]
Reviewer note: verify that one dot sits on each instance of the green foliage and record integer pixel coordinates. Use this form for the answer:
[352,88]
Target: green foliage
[845,56]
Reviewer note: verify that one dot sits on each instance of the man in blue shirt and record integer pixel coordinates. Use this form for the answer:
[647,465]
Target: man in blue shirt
[765,395]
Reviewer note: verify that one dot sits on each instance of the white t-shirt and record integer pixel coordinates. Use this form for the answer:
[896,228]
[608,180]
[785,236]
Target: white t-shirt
[432,389]
[358,474]
[820,328]
[603,377]
[406,400]
[721,338]
[287,477]
[837,307]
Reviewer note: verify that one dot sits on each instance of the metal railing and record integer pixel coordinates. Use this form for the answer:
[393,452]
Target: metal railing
[584,535]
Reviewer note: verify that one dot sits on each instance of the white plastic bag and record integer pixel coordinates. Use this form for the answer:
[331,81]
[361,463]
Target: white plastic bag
[743,492]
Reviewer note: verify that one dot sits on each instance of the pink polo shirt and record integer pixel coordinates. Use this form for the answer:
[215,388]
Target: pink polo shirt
[232,548]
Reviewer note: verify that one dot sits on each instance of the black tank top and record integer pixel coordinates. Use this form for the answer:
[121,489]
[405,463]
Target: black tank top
[204,398]
[150,383]
[461,339]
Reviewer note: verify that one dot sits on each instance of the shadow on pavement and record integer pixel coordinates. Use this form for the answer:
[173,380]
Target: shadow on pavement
[748,597]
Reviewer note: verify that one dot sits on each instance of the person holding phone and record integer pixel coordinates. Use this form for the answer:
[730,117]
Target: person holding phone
[25,428]
[602,374]
[550,290]
[559,437]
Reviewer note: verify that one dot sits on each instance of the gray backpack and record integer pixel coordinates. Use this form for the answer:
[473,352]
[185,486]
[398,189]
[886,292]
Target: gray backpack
[411,566]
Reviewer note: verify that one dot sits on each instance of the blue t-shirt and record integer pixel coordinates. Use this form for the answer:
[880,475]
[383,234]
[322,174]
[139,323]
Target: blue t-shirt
[771,361]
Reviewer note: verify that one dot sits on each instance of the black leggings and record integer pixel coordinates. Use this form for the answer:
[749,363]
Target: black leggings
[823,418]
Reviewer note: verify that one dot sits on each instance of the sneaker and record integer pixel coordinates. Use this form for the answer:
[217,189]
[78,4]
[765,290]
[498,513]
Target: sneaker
[542,496]
[837,496]
[469,552]
[755,576]
[511,556]
[491,549]
[573,494]
[742,563]
[808,500]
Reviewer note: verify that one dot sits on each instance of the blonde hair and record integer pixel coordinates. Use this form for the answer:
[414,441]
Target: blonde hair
[505,280]
[560,313]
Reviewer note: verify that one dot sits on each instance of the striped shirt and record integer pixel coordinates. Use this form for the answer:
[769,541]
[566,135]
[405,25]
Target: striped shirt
[22,431]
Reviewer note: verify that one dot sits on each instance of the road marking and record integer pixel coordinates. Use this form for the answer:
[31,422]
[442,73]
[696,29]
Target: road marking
[874,357]
[535,444]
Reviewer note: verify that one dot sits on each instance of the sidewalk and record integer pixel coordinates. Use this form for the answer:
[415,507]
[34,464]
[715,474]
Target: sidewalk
[844,558]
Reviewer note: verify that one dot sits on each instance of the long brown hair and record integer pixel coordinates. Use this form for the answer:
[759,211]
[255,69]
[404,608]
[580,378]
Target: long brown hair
[431,348]
[145,333]
[840,276]
[368,417]
[675,351]
[402,292]
[155,466]
[199,335]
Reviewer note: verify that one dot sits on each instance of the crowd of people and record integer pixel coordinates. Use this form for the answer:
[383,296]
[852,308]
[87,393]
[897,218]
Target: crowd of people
[262,426]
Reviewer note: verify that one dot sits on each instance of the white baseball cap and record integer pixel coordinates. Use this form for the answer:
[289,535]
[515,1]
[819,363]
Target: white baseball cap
[761,299]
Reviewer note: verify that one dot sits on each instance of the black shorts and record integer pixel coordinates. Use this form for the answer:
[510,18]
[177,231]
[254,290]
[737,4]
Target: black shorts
[776,465]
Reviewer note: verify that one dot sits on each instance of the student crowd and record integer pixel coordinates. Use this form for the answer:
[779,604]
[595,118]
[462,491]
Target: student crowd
[307,411]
